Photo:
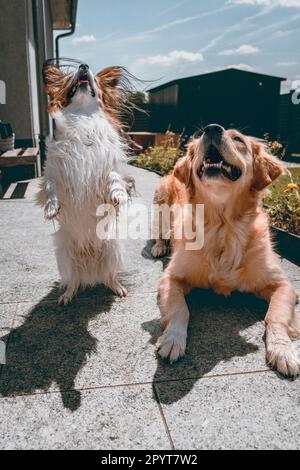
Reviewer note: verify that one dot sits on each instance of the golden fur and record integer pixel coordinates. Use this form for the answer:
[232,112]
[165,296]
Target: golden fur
[237,254]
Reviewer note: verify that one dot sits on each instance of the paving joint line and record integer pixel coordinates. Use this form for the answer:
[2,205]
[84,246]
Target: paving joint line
[163,417]
[139,384]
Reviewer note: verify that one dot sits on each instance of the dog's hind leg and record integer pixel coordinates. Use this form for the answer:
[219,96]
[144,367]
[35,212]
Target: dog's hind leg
[68,296]
[110,267]
[112,281]
[67,267]
[117,288]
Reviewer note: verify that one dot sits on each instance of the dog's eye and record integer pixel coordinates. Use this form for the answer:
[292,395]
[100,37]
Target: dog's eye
[238,139]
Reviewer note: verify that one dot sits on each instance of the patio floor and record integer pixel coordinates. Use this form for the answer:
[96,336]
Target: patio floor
[87,376]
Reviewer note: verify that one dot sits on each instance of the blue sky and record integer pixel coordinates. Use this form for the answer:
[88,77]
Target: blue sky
[166,39]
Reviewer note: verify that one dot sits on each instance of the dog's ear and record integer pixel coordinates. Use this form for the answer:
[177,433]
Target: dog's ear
[109,77]
[111,93]
[54,80]
[266,168]
[183,169]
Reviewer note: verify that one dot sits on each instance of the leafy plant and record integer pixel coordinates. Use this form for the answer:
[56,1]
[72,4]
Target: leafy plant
[283,205]
[162,158]
[275,147]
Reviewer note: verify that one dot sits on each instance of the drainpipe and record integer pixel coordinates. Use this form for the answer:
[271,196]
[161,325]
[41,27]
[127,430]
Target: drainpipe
[64,35]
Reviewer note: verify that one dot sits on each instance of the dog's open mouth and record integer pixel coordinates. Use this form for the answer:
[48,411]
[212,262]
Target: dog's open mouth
[214,165]
[83,82]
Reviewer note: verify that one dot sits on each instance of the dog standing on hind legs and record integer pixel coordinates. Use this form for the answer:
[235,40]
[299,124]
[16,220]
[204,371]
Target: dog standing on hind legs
[85,168]
[227,172]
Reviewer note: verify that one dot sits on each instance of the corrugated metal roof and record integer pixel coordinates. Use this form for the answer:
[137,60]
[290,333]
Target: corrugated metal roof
[64,13]
[225,71]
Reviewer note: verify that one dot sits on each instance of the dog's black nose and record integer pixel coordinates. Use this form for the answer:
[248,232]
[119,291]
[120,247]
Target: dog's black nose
[214,130]
[84,67]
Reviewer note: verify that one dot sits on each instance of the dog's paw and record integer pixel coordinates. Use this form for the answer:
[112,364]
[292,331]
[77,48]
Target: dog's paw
[119,198]
[284,358]
[68,296]
[160,249]
[52,209]
[118,289]
[65,299]
[172,343]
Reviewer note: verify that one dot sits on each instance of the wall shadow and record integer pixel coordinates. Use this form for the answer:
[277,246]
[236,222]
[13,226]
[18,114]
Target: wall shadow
[51,344]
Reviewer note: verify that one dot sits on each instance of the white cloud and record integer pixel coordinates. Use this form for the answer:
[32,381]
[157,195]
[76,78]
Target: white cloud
[269,3]
[83,39]
[245,49]
[173,58]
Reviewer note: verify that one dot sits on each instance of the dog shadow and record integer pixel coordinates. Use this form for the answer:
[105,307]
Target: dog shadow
[51,345]
[221,329]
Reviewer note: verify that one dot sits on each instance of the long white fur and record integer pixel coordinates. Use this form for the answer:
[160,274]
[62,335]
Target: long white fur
[85,166]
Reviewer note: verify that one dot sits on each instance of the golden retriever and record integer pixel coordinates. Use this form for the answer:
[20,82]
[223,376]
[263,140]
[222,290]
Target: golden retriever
[227,172]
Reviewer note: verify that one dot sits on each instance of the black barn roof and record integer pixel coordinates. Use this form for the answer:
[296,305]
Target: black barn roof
[219,72]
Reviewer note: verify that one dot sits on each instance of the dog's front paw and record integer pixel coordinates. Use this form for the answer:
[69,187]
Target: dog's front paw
[281,353]
[52,210]
[284,358]
[119,198]
[172,343]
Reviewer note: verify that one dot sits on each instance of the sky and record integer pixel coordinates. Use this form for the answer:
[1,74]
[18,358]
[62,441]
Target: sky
[161,40]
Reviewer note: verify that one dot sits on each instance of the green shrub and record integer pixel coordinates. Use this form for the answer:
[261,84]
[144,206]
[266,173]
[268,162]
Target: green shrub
[283,203]
[162,158]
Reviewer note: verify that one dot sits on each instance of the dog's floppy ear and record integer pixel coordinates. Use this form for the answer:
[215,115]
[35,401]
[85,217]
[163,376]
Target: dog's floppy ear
[183,169]
[54,80]
[266,168]
[109,77]
[112,94]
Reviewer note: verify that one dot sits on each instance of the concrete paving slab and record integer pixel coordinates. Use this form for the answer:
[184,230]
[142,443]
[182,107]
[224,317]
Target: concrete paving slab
[258,411]
[115,418]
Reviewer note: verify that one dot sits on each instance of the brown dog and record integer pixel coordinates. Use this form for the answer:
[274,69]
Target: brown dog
[227,172]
